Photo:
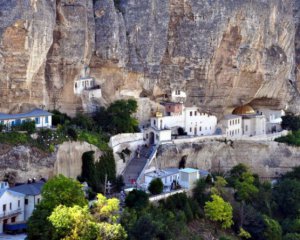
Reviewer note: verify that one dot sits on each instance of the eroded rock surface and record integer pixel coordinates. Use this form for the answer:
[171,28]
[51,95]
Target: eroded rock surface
[267,159]
[222,53]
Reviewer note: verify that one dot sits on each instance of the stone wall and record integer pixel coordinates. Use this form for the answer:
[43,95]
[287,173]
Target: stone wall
[122,141]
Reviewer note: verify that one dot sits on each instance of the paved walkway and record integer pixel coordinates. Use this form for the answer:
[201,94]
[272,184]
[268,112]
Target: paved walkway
[136,166]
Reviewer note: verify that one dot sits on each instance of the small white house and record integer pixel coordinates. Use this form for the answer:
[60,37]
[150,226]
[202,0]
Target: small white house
[187,177]
[86,84]
[32,196]
[42,119]
[11,206]
[167,176]
[178,96]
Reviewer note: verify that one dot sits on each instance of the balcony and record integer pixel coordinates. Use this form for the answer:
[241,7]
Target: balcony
[10,213]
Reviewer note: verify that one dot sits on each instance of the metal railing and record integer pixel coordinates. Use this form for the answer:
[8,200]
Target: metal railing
[10,213]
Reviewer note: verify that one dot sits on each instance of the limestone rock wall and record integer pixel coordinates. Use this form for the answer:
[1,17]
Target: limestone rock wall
[30,162]
[268,159]
[222,53]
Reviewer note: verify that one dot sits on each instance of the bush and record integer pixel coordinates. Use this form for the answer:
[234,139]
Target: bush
[290,122]
[119,183]
[156,186]
[28,126]
[72,133]
[137,199]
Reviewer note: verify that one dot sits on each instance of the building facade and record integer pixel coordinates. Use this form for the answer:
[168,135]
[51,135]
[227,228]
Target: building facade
[175,117]
[42,119]
[11,206]
[244,121]
[32,196]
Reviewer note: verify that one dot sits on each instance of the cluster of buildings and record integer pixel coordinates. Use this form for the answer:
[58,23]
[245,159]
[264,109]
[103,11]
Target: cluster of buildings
[17,203]
[177,119]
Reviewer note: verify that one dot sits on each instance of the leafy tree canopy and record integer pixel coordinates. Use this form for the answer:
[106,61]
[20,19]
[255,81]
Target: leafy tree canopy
[218,210]
[156,186]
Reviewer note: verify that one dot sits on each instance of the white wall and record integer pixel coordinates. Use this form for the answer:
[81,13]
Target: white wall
[166,180]
[32,202]
[198,124]
[233,127]
[83,83]
[8,198]
[42,121]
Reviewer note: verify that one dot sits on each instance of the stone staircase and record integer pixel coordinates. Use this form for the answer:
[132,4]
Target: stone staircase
[136,165]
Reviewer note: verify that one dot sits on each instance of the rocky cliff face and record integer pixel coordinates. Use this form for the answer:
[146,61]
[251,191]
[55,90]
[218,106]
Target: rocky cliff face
[29,162]
[268,159]
[222,53]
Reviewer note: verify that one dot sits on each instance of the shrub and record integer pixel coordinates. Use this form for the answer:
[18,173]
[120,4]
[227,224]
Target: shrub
[137,199]
[72,133]
[156,186]
[119,183]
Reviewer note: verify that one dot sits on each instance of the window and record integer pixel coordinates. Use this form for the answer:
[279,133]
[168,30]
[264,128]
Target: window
[10,206]
[177,92]
[38,200]
[13,219]
[75,84]
[195,113]
[200,129]
[46,119]
[147,135]
[191,113]
[190,129]
[4,207]
[37,120]
[26,201]
[19,203]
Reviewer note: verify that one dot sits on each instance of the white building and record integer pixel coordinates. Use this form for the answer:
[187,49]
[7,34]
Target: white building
[244,121]
[232,125]
[187,177]
[86,84]
[32,195]
[178,96]
[176,116]
[43,119]
[167,176]
[11,206]
[273,119]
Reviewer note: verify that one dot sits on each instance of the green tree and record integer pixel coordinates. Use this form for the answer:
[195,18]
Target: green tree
[219,185]
[78,223]
[199,192]
[156,186]
[291,236]
[236,173]
[290,122]
[218,210]
[117,118]
[73,223]
[57,191]
[286,194]
[245,187]
[273,230]
[137,199]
